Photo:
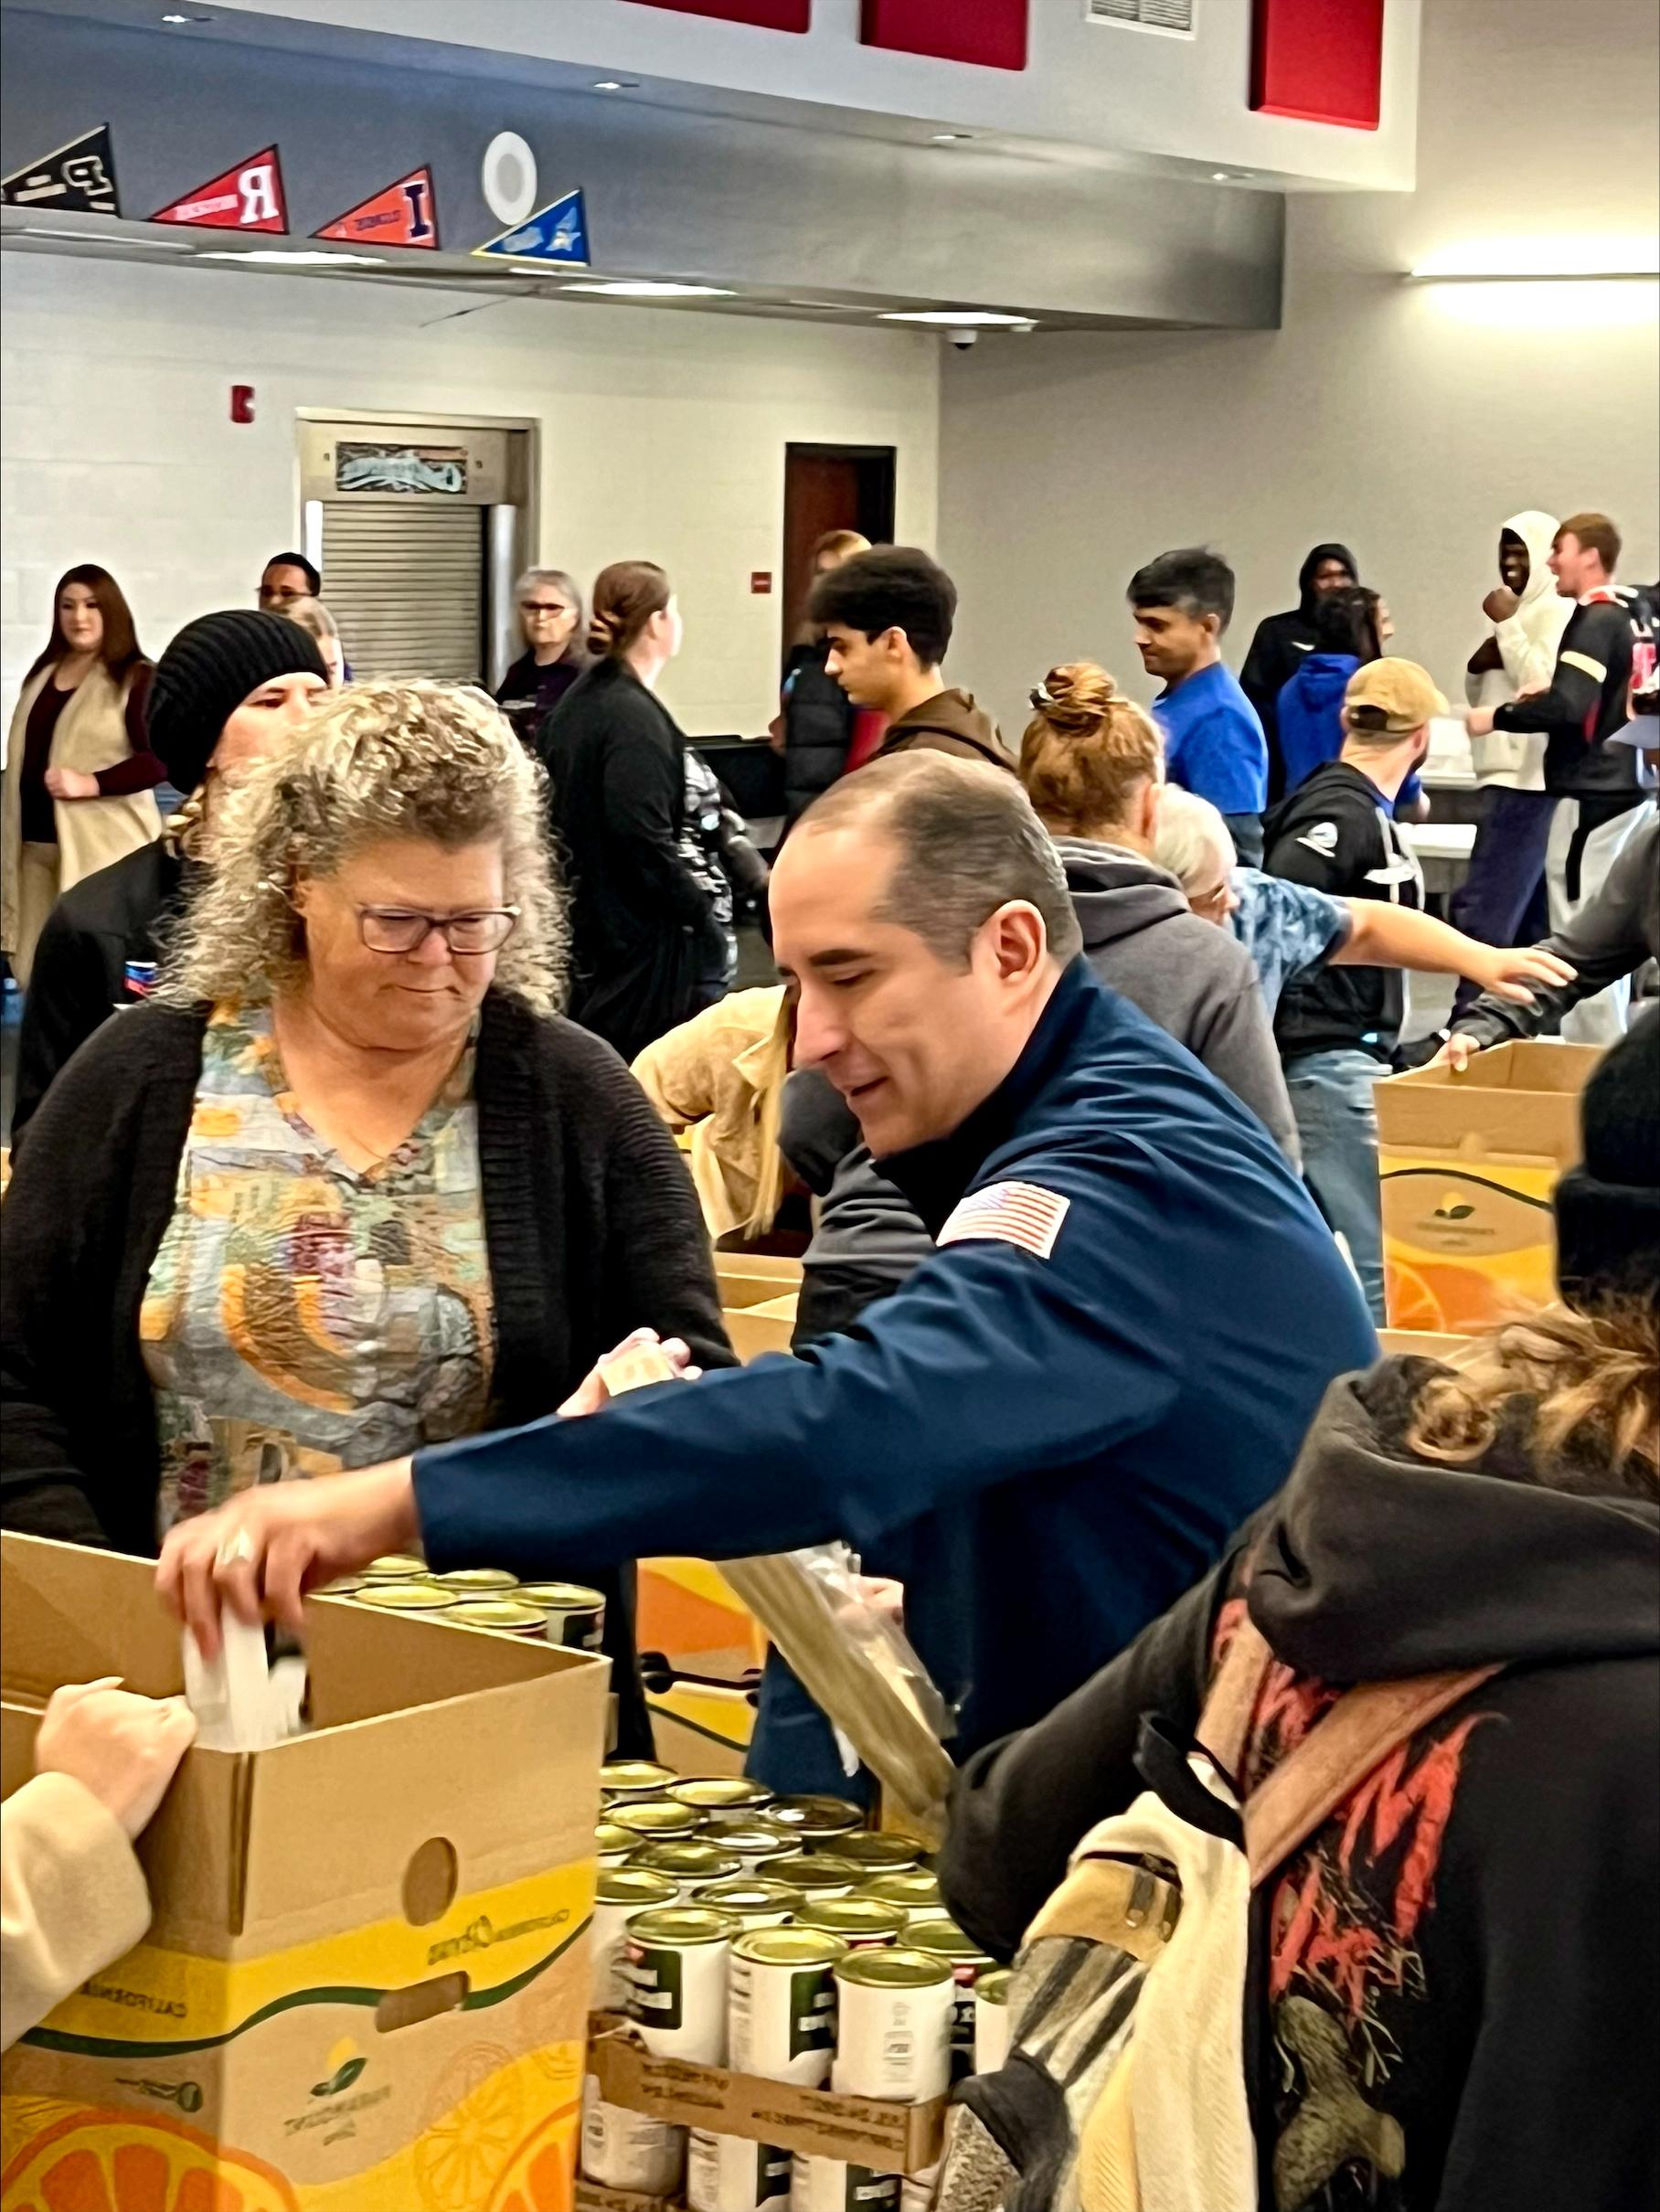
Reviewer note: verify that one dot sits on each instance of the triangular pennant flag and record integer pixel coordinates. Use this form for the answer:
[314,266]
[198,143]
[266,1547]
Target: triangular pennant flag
[248,198]
[79,177]
[558,232]
[405,214]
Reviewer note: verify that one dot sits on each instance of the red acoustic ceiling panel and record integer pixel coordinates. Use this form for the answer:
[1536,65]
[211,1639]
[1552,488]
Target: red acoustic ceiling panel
[764,15]
[1320,60]
[991,33]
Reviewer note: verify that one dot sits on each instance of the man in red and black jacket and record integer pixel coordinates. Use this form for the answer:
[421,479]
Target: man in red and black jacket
[1608,643]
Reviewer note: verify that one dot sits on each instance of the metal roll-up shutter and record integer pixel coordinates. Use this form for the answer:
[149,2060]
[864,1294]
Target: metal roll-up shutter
[405,581]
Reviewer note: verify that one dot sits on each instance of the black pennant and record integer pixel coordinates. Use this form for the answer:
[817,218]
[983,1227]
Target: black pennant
[79,177]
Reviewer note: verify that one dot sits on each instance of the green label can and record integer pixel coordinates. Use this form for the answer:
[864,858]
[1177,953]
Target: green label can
[730,2174]
[782,2016]
[576,1616]
[677,1968]
[627,2151]
[622,1894]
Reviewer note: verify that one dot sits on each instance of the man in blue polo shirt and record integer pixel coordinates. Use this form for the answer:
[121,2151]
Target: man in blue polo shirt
[1214,745]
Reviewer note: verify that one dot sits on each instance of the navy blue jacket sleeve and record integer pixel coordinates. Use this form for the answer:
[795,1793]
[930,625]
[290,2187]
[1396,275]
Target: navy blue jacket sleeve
[989,1365]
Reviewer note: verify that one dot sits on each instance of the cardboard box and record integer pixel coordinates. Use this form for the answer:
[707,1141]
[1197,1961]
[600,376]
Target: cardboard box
[765,1327]
[365,1985]
[1468,1164]
[887,2138]
[1426,1343]
[747,1279]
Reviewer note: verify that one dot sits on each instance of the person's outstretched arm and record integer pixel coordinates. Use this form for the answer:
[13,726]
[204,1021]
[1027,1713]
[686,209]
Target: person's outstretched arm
[1384,936]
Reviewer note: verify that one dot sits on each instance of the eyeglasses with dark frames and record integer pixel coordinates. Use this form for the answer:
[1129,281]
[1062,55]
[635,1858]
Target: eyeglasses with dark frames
[399,930]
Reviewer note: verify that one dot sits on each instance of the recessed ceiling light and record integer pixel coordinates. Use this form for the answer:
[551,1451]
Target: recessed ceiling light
[957,318]
[949,138]
[176,18]
[1230,177]
[648,288]
[616,84]
[297,259]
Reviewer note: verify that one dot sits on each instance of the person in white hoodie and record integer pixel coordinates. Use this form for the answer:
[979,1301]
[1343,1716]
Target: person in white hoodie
[1508,865]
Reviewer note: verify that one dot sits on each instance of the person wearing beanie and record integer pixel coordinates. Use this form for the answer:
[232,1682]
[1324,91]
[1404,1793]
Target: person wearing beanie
[1450,1982]
[229,689]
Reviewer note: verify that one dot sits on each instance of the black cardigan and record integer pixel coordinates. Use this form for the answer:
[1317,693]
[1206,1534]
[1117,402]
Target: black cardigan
[590,1221]
[641,924]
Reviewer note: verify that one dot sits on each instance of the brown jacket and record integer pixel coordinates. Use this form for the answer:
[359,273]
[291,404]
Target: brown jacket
[720,1077]
[949,722]
[72,1898]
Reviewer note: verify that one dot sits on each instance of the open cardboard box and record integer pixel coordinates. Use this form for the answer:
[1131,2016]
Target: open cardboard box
[766,1326]
[745,1279]
[1468,1165]
[886,2138]
[365,1985]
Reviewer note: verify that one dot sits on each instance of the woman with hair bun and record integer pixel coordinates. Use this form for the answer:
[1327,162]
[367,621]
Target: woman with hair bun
[642,926]
[1092,765]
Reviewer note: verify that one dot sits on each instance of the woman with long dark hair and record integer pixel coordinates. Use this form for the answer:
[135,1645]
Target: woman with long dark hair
[644,931]
[79,776]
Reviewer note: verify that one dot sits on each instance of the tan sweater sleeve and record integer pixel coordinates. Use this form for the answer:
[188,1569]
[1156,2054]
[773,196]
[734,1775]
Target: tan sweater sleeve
[72,1898]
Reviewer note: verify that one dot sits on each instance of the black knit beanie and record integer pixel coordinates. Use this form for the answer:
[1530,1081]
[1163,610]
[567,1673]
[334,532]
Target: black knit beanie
[206,673]
[1608,1208]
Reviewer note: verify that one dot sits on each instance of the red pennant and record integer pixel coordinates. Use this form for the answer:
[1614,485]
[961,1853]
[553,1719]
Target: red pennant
[405,214]
[248,198]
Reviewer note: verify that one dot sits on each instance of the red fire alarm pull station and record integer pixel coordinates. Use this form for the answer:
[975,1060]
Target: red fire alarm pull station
[760,581]
[241,403]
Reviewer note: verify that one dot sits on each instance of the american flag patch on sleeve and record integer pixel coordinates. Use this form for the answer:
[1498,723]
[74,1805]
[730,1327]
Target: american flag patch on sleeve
[1009,1213]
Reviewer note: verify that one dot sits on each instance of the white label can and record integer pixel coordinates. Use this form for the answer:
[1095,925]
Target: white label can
[895,2010]
[992,2022]
[678,1982]
[730,2174]
[624,1892]
[829,2185]
[624,2150]
[782,2021]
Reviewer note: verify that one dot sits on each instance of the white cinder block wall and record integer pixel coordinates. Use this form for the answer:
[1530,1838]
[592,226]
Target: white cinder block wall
[1407,419]
[663,438]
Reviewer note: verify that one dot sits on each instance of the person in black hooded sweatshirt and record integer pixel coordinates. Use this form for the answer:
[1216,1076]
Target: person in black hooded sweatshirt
[1282,641]
[1470,1946]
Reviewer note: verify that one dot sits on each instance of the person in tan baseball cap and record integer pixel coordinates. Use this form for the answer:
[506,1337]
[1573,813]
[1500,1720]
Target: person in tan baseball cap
[1339,1028]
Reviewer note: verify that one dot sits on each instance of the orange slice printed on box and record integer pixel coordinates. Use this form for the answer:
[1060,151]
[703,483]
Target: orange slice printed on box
[473,2120]
[136,2161]
[1412,1303]
[541,2175]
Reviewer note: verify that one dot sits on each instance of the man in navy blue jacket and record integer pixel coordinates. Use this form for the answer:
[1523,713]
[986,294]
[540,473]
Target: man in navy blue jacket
[1052,1429]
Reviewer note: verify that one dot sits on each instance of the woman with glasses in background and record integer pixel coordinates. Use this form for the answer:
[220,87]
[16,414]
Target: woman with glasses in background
[347,1185]
[552,622]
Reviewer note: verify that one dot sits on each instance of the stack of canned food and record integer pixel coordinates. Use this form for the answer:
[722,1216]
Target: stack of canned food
[478,1597]
[781,1938]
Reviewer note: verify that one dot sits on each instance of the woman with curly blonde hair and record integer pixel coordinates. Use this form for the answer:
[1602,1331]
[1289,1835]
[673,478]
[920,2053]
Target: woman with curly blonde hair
[349,1185]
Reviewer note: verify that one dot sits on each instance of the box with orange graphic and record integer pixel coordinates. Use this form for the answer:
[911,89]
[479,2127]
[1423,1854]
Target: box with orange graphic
[1468,1165]
[365,1988]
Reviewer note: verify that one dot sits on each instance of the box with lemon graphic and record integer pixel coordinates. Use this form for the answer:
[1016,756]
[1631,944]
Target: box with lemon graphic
[1468,1164]
[365,1988]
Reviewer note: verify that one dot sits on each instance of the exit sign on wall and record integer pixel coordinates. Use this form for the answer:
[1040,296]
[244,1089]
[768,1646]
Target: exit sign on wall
[991,33]
[1320,60]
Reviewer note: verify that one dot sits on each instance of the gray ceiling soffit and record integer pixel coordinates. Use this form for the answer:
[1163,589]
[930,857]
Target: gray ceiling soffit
[773,211]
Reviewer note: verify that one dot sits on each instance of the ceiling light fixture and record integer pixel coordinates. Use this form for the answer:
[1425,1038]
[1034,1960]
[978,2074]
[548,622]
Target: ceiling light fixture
[649,288]
[958,318]
[287,258]
[1230,177]
[616,84]
[1549,259]
[176,18]
[949,138]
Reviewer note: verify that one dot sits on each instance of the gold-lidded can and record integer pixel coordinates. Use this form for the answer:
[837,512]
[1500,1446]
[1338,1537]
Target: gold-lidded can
[622,1779]
[500,1614]
[894,2036]
[614,1847]
[620,1893]
[917,1893]
[575,1614]
[395,1567]
[689,1862]
[815,1815]
[818,1874]
[405,1598]
[944,1940]
[677,1961]
[874,1852]
[859,1921]
[478,1581]
[652,1820]
[343,1586]
[756,1842]
[993,2023]
[781,2017]
[753,1900]
[721,1798]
